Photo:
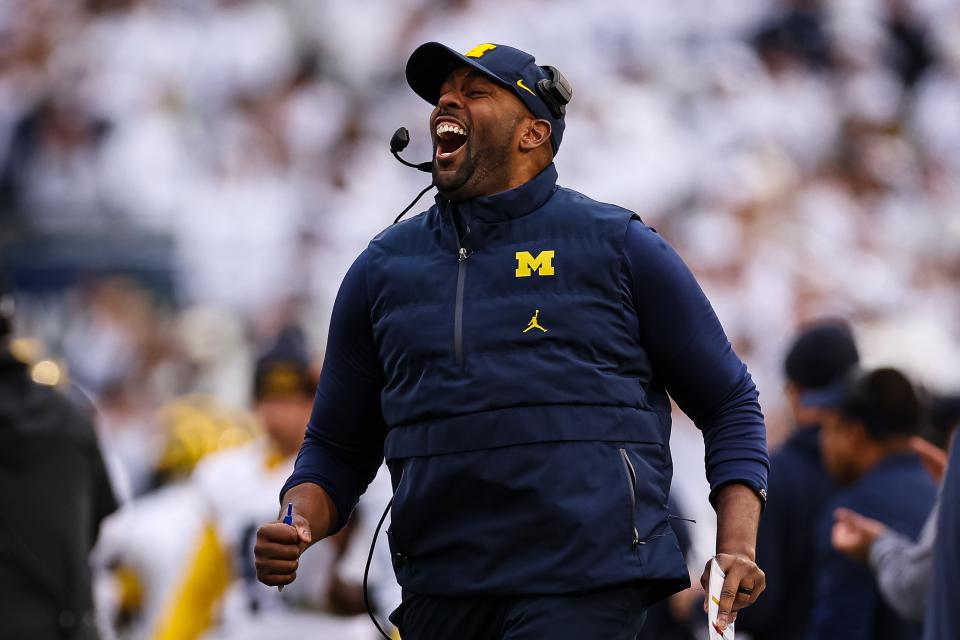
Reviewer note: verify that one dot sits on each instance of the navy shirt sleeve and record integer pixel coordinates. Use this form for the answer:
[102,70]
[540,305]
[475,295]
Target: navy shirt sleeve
[343,446]
[694,361]
[846,594]
[775,542]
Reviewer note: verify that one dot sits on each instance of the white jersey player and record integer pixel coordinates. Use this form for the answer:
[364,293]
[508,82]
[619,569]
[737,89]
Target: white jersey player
[240,489]
[151,550]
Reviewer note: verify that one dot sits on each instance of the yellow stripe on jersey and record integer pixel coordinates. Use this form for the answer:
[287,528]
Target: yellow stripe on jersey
[191,611]
[129,589]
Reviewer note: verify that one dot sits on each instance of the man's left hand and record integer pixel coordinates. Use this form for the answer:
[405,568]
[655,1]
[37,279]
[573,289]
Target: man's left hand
[742,585]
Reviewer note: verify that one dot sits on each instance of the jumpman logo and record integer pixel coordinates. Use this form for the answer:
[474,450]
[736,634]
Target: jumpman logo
[534,324]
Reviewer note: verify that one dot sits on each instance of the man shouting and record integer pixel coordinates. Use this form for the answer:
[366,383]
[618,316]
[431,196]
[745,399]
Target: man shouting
[530,467]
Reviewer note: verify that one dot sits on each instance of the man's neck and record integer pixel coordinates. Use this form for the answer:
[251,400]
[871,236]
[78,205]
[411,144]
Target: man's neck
[523,174]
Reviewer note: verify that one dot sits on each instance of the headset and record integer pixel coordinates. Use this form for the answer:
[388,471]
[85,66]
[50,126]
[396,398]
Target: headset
[399,142]
[556,91]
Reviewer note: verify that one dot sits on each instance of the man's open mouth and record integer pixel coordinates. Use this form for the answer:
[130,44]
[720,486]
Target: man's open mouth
[451,137]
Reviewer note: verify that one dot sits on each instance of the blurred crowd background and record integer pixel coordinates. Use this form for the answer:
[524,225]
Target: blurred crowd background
[181,180]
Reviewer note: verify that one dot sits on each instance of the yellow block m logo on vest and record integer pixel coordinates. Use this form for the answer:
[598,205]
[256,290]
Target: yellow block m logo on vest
[542,264]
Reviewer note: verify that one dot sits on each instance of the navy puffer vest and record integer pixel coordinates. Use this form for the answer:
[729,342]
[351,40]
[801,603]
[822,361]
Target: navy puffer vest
[526,452]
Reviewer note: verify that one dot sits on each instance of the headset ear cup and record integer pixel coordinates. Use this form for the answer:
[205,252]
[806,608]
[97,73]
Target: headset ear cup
[561,87]
[555,91]
[557,108]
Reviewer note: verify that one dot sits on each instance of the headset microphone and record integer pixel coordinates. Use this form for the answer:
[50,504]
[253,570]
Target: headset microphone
[399,142]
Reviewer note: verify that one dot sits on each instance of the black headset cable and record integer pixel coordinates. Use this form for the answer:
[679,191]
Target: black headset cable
[373,545]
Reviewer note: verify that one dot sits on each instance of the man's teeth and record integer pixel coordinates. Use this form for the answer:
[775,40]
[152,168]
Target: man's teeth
[449,127]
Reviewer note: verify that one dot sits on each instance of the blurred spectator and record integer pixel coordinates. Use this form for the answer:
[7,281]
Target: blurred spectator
[115,348]
[865,440]
[796,32]
[786,543]
[909,52]
[238,490]
[903,568]
[52,172]
[140,572]
[54,493]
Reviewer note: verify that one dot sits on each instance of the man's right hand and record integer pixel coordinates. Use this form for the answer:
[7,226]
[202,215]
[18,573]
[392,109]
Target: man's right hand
[278,549]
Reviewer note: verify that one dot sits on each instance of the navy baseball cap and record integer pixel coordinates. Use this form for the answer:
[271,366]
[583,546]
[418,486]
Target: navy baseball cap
[883,399]
[284,369]
[431,63]
[829,397]
[821,354]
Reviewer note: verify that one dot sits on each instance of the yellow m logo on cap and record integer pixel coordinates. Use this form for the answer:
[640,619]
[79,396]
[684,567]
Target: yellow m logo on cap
[479,50]
[542,264]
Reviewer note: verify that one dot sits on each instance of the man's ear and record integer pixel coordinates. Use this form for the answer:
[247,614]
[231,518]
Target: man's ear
[536,133]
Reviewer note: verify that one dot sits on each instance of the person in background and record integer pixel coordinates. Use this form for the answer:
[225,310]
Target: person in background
[140,574]
[238,489]
[786,543]
[867,423]
[54,493]
[903,567]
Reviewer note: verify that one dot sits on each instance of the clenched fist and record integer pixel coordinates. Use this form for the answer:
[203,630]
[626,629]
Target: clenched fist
[278,550]
[743,584]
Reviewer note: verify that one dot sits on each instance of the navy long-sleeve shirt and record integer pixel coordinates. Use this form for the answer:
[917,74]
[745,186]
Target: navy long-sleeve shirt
[787,541]
[690,355]
[847,605]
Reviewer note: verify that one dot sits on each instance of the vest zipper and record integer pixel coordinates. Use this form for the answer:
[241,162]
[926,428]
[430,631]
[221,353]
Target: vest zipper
[462,256]
[458,315]
[632,483]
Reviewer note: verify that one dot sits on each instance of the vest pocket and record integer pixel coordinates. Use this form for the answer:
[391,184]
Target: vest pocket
[631,477]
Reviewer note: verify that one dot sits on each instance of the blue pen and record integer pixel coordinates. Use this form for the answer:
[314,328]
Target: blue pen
[287,519]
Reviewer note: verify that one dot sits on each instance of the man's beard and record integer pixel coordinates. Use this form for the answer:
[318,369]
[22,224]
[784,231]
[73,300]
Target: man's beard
[450,185]
[479,174]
